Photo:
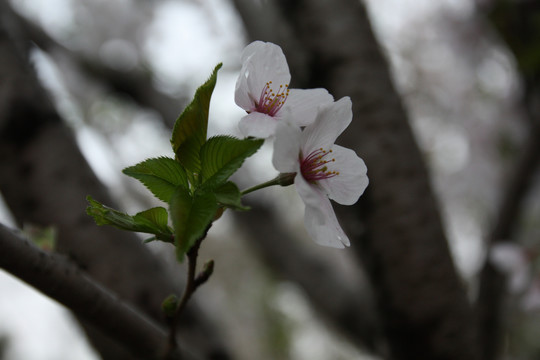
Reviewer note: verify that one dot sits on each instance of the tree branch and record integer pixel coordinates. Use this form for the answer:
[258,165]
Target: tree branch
[61,280]
[513,25]
[137,83]
[492,281]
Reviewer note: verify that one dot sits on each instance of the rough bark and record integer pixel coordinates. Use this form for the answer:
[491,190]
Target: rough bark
[396,227]
[45,180]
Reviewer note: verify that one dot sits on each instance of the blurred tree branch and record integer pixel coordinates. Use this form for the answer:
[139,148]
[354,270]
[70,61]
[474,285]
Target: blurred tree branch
[517,26]
[55,276]
[136,83]
[492,281]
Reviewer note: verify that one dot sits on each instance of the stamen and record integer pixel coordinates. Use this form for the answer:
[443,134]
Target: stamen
[270,102]
[314,168]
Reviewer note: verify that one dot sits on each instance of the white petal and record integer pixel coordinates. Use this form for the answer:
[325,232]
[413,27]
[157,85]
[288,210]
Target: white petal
[257,125]
[352,180]
[265,62]
[252,48]
[304,104]
[330,122]
[242,96]
[324,230]
[286,148]
[311,194]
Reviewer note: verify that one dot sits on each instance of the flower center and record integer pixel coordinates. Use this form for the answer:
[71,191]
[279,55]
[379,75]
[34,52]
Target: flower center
[314,168]
[271,101]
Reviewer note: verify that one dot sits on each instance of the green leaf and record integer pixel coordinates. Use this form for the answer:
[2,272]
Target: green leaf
[191,217]
[160,175]
[230,196]
[151,221]
[189,132]
[222,155]
[154,218]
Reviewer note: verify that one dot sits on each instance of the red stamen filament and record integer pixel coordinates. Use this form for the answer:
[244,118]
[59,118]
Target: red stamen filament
[314,168]
[271,102]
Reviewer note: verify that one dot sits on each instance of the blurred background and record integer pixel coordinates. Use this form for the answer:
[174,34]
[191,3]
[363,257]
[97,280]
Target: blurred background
[119,73]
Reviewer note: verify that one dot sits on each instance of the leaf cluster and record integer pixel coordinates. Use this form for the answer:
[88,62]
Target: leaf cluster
[195,183]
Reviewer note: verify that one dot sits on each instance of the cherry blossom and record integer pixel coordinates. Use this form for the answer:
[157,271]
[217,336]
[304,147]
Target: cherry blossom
[262,90]
[323,170]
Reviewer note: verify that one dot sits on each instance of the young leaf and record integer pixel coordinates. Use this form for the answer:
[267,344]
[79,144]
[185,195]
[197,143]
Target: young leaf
[155,218]
[221,156]
[151,221]
[160,175]
[189,132]
[191,217]
[230,196]
[170,305]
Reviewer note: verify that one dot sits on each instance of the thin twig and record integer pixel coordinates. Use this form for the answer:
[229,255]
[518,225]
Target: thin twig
[192,284]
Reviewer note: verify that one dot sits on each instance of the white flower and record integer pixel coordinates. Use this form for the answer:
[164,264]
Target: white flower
[323,170]
[262,89]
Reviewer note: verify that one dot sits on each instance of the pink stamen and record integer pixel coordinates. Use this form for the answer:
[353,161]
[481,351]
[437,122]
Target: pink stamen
[271,102]
[314,168]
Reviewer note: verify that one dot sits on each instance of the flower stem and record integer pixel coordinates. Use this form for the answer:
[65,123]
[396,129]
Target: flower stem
[284,179]
[193,282]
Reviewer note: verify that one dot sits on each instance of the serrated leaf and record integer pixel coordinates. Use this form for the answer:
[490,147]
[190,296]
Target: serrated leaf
[151,221]
[230,196]
[154,218]
[189,132]
[222,155]
[191,217]
[160,175]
